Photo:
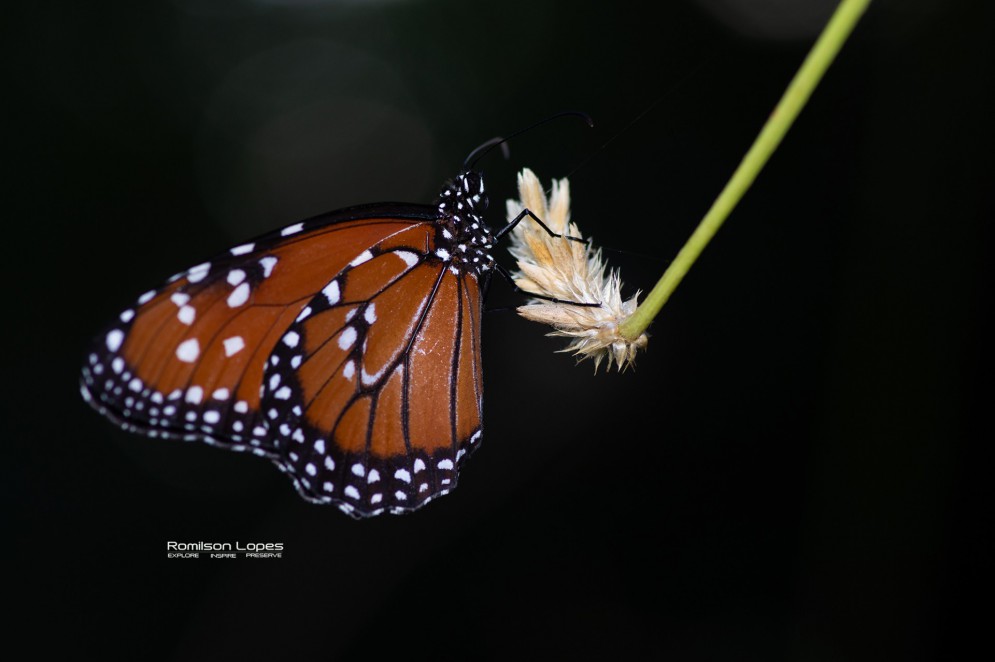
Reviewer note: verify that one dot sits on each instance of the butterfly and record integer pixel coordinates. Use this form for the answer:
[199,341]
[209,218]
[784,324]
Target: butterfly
[344,348]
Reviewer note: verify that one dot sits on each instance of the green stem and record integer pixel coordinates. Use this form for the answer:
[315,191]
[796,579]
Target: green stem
[819,58]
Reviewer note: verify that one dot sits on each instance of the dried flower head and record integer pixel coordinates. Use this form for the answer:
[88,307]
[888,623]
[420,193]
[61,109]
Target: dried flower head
[569,271]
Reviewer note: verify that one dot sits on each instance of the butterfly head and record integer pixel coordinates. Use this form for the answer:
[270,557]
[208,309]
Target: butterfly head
[464,195]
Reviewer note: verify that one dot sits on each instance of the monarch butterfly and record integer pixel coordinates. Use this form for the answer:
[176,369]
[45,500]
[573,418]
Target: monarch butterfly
[345,348]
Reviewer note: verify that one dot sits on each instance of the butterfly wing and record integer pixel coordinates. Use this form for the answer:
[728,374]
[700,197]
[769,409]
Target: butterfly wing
[342,348]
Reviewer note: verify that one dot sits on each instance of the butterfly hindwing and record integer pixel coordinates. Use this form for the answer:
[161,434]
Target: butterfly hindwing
[365,385]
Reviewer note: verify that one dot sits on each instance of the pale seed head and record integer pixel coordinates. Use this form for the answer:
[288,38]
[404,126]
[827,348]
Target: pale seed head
[569,271]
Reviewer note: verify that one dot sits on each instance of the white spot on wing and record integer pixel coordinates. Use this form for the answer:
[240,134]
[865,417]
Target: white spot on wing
[186,315]
[291,339]
[235,276]
[332,293]
[410,259]
[114,339]
[371,313]
[127,316]
[211,417]
[446,464]
[403,474]
[283,393]
[145,298]
[188,350]
[361,258]
[347,338]
[291,229]
[194,395]
[243,249]
[239,296]
[368,379]
[349,370]
[233,345]
[220,394]
[358,470]
[198,273]
[268,263]
[419,465]
[351,491]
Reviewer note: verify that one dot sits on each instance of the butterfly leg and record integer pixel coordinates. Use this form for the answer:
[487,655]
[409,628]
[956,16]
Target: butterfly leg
[508,277]
[528,212]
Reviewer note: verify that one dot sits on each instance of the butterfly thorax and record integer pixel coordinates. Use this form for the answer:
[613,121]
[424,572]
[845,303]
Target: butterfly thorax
[464,239]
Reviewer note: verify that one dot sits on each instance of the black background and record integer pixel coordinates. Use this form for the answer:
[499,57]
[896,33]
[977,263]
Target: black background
[790,473]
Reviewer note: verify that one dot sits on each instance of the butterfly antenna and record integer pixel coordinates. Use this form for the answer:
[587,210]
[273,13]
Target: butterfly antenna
[692,73]
[486,148]
[605,144]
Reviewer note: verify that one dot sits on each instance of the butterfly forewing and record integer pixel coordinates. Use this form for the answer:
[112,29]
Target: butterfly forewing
[346,349]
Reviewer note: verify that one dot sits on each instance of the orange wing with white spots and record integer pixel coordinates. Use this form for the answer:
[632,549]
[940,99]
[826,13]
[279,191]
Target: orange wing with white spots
[346,349]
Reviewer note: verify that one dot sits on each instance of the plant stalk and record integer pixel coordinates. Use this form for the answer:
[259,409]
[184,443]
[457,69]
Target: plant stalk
[833,36]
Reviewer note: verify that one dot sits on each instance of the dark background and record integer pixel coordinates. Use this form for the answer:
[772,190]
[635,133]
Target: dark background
[789,474]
